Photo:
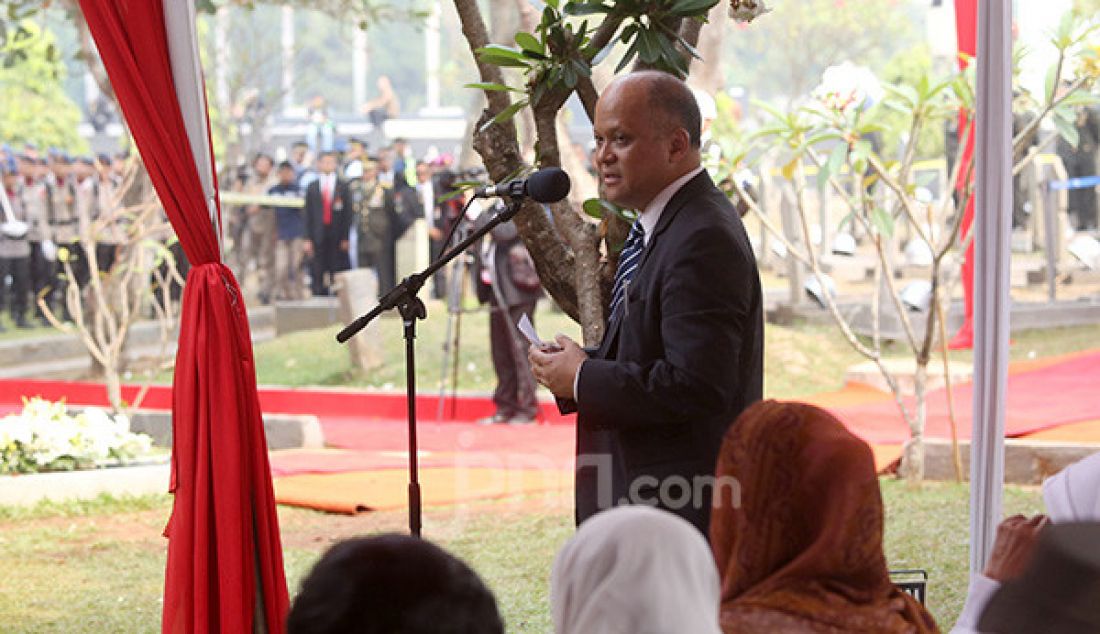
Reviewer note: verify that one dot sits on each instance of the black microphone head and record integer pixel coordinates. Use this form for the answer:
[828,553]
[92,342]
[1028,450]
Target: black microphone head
[548,185]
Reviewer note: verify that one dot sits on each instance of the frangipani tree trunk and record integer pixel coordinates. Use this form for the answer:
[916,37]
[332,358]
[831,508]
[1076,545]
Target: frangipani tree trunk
[569,246]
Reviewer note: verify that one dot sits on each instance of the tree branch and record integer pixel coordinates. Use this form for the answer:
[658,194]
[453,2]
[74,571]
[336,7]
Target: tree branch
[499,148]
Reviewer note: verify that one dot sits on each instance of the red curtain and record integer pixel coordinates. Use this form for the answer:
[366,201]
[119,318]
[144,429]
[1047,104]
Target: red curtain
[224,552]
[966,30]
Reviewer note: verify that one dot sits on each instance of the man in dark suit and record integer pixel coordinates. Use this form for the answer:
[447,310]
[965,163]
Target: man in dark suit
[682,354]
[514,291]
[328,221]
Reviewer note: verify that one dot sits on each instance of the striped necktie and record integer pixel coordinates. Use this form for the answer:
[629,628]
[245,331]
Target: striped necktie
[629,259]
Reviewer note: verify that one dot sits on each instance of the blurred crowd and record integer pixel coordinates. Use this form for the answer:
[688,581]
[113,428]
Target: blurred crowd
[340,210]
[56,208]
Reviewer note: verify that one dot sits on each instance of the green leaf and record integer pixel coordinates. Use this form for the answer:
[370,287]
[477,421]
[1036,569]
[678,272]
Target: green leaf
[819,137]
[1080,98]
[883,222]
[905,93]
[833,165]
[629,32]
[505,115]
[531,44]
[492,87]
[629,55]
[594,207]
[648,46]
[770,109]
[1066,130]
[586,8]
[686,8]
[502,56]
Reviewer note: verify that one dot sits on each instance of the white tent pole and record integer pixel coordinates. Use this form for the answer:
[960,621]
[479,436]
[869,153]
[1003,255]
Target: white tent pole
[183,51]
[992,256]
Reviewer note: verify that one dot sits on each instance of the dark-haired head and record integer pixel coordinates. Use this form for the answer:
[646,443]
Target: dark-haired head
[393,583]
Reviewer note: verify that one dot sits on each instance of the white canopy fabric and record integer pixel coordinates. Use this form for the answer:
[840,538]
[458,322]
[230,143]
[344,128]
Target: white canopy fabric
[992,228]
[183,50]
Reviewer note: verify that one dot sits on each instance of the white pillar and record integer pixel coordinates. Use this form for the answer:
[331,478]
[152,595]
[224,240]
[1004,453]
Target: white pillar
[288,57]
[992,256]
[431,56]
[358,69]
[222,53]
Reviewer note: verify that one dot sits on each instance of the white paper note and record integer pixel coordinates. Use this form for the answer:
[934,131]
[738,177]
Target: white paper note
[528,329]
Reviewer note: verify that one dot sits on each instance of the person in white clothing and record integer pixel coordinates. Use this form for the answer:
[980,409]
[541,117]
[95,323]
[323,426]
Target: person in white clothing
[1071,495]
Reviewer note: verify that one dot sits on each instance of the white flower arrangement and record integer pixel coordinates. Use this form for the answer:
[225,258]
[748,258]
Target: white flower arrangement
[46,437]
[846,86]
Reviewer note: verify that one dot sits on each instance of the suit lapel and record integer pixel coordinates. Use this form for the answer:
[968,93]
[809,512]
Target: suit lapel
[700,183]
[697,185]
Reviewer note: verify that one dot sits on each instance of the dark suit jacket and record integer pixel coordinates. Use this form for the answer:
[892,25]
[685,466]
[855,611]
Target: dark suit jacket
[341,212]
[678,367]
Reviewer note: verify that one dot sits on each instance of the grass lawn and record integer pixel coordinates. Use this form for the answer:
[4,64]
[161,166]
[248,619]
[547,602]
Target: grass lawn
[10,332]
[98,566]
[799,360]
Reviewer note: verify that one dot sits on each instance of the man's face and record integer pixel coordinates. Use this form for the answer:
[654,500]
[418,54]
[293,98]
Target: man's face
[385,162]
[286,175]
[370,174]
[298,153]
[423,173]
[26,168]
[633,150]
[262,167]
[327,164]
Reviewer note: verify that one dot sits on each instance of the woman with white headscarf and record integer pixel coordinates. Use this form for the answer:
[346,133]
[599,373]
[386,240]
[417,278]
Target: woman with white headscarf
[1071,495]
[636,570]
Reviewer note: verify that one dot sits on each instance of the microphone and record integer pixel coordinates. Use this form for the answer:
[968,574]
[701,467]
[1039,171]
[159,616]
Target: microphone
[548,185]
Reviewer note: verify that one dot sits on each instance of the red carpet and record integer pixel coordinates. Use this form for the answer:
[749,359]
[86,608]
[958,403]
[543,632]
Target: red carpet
[357,404]
[1041,396]
[366,466]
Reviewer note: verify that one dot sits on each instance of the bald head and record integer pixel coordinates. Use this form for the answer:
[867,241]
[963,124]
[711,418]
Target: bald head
[669,99]
[647,132]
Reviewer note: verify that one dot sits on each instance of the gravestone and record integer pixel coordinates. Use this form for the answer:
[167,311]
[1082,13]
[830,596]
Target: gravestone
[356,294]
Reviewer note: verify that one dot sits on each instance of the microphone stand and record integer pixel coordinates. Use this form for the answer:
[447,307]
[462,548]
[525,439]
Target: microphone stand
[404,298]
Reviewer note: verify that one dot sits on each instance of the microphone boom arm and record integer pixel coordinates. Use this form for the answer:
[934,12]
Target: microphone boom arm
[404,292]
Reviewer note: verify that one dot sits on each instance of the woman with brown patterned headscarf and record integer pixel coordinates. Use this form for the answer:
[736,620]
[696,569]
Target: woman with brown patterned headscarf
[801,551]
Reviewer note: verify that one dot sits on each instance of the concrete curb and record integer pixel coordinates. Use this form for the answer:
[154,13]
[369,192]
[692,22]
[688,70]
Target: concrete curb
[283,431]
[1026,461]
[61,486]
